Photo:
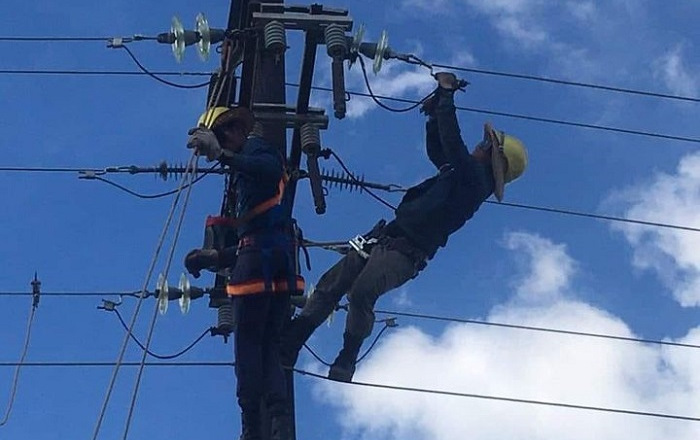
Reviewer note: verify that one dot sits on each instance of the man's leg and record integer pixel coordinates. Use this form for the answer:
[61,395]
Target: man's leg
[251,311]
[385,270]
[274,377]
[330,289]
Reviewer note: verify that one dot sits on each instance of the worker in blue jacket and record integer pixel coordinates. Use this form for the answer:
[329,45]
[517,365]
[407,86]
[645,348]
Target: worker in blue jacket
[393,253]
[263,271]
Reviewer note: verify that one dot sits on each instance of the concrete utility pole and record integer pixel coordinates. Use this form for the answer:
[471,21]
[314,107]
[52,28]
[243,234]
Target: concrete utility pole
[262,89]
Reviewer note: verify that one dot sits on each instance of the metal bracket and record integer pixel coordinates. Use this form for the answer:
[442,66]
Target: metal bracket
[359,242]
[284,113]
[301,18]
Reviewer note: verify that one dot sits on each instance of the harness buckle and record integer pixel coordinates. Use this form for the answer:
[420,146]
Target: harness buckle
[359,242]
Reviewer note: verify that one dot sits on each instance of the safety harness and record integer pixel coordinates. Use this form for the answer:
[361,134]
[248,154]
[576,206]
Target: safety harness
[290,283]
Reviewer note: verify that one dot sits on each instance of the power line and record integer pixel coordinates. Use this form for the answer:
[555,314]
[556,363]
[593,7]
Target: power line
[364,355]
[135,294]
[159,79]
[98,364]
[160,356]
[552,210]
[533,118]
[55,39]
[488,72]
[425,316]
[596,216]
[89,364]
[97,72]
[395,99]
[49,170]
[569,83]
[23,356]
[508,399]
[192,163]
[537,329]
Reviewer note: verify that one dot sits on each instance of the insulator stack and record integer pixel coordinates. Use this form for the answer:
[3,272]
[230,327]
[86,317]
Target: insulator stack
[310,137]
[167,172]
[343,181]
[275,37]
[336,43]
[226,322]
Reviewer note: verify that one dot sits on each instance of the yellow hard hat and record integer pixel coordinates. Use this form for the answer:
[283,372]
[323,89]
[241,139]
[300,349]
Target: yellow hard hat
[217,116]
[208,117]
[516,155]
[508,161]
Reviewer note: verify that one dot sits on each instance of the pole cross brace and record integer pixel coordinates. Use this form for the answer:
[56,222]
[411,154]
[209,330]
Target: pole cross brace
[284,113]
[303,21]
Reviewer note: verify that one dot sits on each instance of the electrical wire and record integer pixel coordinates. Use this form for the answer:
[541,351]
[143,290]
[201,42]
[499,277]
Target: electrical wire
[362,184]
[160,356]
[537,329]
[506,399]
[419,316]
[568,83]
[48,170]
[371,347]
[98,72]
[365,188]
[360,358]
[15,378]
[318,358]
[139,302]
[54,39]
[526,117]
[596,216]
[159,79]
[78,294]
[178,228]
[381,104]
[488,72]
[145,196]
[74,364]
[396,99]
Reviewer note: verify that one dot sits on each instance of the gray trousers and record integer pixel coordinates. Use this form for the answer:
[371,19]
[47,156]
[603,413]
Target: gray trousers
[364,280]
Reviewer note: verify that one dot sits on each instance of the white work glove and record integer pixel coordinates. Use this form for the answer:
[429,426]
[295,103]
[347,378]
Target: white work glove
[205,143]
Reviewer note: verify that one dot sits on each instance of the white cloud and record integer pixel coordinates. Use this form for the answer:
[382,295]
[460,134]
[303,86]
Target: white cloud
[550,267]
[671,67]
[673,255]
[522,365]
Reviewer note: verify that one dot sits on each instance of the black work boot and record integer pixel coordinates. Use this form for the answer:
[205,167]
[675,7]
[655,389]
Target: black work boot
[343,367]
[250,425]
[293,338]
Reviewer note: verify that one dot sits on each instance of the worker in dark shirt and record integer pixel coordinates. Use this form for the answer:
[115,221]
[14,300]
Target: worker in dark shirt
[393,253]
[262,265]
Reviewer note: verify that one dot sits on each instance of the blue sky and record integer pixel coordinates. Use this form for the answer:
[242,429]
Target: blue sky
[506,265]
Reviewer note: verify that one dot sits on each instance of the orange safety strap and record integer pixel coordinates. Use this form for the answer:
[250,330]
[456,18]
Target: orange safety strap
[258,286]
[264,206]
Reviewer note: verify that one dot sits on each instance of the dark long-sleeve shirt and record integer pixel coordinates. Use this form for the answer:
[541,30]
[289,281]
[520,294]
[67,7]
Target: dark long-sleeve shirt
[435,208]
[258,169]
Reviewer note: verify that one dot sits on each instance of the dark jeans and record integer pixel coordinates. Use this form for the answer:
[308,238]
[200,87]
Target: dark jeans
[364,281]
[260,318]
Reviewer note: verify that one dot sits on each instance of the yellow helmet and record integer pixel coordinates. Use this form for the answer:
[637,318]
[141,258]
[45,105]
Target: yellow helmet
[508,161]
[516,155]
[208,117]
[217,116]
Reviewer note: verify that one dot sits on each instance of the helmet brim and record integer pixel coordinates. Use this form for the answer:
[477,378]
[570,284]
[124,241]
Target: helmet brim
[498,162]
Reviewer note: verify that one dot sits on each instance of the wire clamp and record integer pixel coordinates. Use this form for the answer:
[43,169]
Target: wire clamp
[359,242]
